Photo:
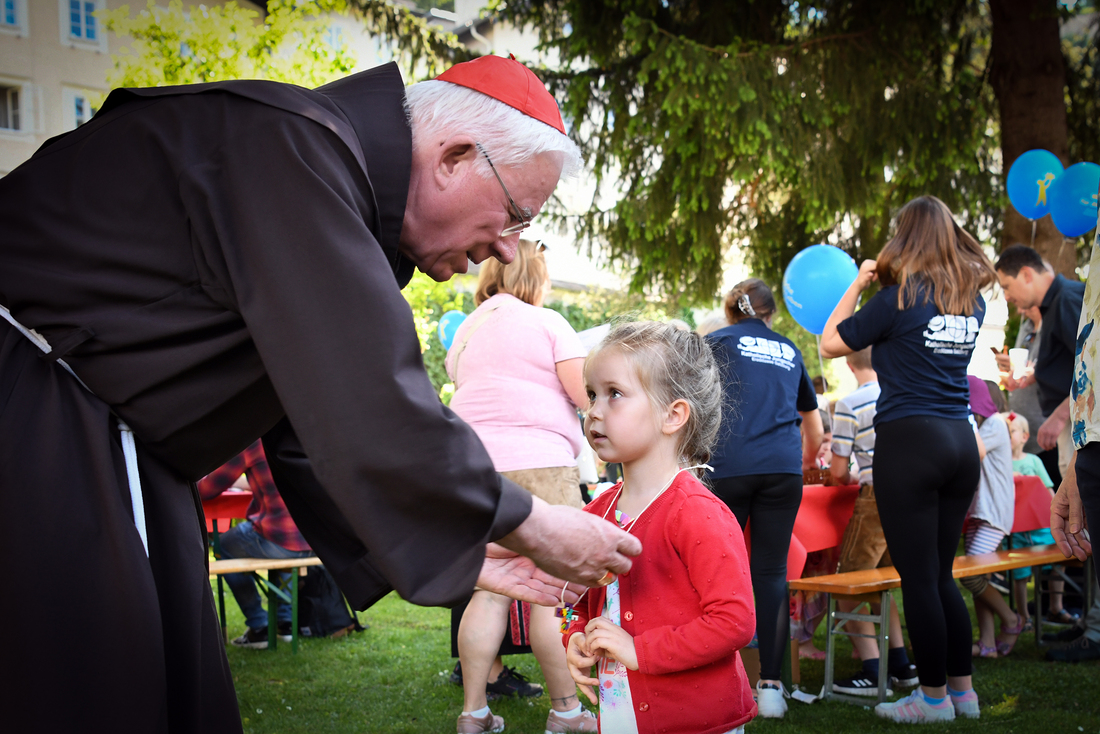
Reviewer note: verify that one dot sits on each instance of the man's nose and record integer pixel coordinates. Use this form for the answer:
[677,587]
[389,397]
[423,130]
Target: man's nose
[504,249]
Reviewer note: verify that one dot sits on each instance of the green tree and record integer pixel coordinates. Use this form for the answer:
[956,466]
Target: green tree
[775,124]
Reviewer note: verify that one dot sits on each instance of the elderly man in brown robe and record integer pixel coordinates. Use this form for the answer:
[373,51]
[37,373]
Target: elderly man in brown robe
[200,266]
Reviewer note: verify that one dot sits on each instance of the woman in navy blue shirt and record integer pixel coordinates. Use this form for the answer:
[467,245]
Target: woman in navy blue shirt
[759,459]
[923,325]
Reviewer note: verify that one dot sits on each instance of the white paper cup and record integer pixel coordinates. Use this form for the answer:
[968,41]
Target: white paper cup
[1018,358]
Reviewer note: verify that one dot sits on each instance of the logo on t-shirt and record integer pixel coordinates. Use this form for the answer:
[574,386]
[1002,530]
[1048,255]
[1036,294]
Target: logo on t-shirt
[948,334]
[766,351]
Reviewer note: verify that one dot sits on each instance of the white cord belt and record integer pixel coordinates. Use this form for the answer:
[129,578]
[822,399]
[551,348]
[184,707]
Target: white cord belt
[129,447]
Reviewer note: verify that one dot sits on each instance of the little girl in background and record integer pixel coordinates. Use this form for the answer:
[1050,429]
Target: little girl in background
[665,635]
[990,520]
[1030,465]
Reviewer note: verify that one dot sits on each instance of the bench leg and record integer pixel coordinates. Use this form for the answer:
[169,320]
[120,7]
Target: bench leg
[883,639]
[830,646]
[294,610]
[272,604]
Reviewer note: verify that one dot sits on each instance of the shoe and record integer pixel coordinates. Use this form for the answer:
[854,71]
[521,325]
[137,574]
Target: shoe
[904,677]
[978,650]
[1066,635]
[998,582]
[1078,651]
[966,705]
[557,724]
[858,685]
[1004,648]
[913,709]
[769,700]
[456,674]
[1060,617]
[512,683]
[468,724]
[254,639]
[285,632]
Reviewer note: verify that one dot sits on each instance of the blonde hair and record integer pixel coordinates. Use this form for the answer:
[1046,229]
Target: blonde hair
[930,248]
[861,360]
[673,364]
[750,298]
[1016,420]
[524,277]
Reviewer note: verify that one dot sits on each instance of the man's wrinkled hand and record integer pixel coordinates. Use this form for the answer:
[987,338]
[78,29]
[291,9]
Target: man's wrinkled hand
[1067,520]
[508,573]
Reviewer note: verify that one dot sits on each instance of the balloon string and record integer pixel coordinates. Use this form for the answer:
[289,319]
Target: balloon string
[1033,223]
[820,361]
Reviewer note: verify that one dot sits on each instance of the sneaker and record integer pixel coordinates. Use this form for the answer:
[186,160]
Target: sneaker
[998,582]
[512,683]
[769,700]
[469,724]
[913,709]
[859,685]
[556,723]
[966,705]
[285,632]
[1078,651]
[456,674]
[1066,635]
[904,677]
[254,639]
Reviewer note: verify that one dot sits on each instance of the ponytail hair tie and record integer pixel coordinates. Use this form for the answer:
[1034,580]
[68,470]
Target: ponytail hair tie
[745,306]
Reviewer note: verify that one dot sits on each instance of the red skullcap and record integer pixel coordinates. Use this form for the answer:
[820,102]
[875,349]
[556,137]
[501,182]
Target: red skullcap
[509,81]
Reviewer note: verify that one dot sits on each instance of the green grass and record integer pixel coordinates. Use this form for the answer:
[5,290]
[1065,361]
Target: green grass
[393,678]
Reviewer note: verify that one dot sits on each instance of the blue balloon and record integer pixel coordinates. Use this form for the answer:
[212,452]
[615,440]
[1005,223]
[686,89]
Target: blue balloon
[1073,199]
[814,282]
[1029,182]
[448,325]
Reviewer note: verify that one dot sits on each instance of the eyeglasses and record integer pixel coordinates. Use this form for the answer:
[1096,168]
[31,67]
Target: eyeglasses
[524,221]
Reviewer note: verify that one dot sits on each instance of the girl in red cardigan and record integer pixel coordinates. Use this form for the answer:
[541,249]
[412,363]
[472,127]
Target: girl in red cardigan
[665,635]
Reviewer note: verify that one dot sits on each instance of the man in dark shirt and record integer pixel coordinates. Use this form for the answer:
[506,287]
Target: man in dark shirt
[1027,283]
[197,267]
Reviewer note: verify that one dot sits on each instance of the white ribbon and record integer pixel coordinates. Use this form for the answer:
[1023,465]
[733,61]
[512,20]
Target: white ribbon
[129,446]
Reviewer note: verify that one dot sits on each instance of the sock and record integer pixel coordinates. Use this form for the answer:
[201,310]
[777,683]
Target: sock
[897,657]
[870,668]
[955,693]
[570,714]
[933,701]
[480,713]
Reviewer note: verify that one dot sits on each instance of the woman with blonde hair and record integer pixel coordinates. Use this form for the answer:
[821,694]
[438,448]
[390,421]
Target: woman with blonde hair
[923,324]
[518,373]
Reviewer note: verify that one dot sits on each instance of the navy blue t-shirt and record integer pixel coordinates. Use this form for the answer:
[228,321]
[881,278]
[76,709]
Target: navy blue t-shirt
[766,385]
[920,355]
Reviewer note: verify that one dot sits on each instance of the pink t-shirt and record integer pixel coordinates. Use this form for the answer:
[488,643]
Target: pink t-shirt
[507,386]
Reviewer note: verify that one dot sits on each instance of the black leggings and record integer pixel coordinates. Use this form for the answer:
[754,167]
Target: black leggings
[1088,484]
[771,501]
[926,472]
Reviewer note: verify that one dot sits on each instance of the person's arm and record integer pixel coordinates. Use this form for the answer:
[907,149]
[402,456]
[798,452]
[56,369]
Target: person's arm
[812,434]
[840,470]
[1068,523]
[845,428]
[832,345]
[571,374]
[1052,427]
[222,478]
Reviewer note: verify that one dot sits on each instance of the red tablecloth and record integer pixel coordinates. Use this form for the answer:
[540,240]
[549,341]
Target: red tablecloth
[1032,505]
[228,505]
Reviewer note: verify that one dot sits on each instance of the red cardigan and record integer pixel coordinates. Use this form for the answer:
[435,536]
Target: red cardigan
[687,601]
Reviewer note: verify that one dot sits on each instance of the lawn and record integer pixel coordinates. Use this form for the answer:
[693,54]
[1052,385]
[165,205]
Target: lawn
[393,678]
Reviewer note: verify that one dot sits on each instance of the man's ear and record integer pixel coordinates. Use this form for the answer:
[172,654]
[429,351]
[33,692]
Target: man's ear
[1027,274]
[676,416]
[453,159]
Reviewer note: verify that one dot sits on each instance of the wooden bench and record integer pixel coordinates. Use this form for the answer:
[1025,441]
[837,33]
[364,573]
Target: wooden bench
[875,584]
[254,566]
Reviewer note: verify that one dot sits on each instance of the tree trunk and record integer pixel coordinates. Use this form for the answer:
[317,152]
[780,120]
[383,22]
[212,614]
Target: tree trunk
[1027,73]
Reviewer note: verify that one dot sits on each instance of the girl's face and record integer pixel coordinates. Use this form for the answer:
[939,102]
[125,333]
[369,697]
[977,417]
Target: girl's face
[1019,438]
[621,424]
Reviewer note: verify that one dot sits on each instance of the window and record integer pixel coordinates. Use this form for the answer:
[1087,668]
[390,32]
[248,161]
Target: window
[82,110]
[82,23]
[10,112]
[76,104]
[13,17]
[8,15]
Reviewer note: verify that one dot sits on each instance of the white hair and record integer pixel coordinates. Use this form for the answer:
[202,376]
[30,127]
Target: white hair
[437,109]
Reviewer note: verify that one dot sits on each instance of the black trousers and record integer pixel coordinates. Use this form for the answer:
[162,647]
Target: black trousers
[771,501]
[99,637]
[926,472]
[1087,468]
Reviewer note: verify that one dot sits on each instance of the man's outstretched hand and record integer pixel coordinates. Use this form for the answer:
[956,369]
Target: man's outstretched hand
[506,572]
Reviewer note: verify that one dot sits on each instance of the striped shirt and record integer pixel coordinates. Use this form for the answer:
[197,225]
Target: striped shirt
[854,428]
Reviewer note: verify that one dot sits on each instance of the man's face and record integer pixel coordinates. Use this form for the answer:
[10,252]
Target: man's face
[1020,289]
[455,214]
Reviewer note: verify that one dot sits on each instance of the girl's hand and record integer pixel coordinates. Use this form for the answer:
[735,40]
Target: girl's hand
[867,274]
[608,640]
[579,661]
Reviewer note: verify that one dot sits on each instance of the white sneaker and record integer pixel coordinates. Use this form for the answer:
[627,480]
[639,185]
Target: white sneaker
[769,700]
[913,709]
[966,705]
